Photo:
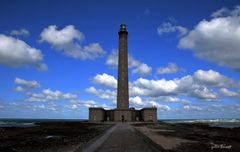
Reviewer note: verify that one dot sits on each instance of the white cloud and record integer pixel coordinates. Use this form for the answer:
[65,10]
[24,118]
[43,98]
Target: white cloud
[214,78]
[183,86]
[235,108]
[67,40]
[16,53]
[106,80]
[157,105]
[202,85]
[217,40]
[103,94]
[229,93]
[142,69]
[171,99]
[167,27]
[42,67]
[61,37]
[50,95]
[139,103]
[213,109]
[205,94]
[198,85]
[154,87]
[112,59]
[192,108]
[136,101]
[89,103]
[19,89]
[223,12]
[132,62]
[56,95]
[74,104]
[28,84]
[171,68]
[21,32]
[138,67]
[36,97]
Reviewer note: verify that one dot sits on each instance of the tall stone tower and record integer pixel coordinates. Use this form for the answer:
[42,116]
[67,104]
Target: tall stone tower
[122,112]
[122,89]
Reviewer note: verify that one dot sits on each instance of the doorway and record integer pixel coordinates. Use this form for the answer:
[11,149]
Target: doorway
[122,118]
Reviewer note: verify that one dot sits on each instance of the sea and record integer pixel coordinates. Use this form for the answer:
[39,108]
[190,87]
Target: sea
[224,123]
[19,122]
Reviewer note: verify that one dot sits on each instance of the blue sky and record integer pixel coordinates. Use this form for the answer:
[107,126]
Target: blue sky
[57,58]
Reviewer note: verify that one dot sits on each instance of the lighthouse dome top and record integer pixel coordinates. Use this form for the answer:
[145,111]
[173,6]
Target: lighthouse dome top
[123,26]
[123,29]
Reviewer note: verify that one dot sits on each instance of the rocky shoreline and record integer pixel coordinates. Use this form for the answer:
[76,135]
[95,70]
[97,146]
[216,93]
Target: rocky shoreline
[74,136]
[49,136]
[191,137]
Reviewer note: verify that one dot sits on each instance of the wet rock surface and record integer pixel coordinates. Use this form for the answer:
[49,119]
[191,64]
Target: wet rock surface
[205,138]
[50,136]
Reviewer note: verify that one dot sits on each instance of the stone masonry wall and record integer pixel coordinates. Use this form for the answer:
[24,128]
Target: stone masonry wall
[149,114]
[96,114]
[126,113]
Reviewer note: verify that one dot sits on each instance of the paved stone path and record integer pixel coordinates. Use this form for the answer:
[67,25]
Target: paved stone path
[121,138]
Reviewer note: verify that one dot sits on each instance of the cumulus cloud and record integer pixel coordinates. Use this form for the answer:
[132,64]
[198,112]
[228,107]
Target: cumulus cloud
[138,67]
[56,95]
[214,78]
[112,59]
[223,12]
[74,104]
[216,40]
[142,69]
[49,106]
[16,53]
[197,85]
[229,93]
[49,95]
[154,87]
[210,109]
[103,94]
[202,85]
[167,27]
[183,86]
[192,108]
[132,62]
[235,108]
[170,99]
[106,80]
[157,105]
[205,94]
[36,97]
[138,102]
[67,40]
[88,103]
[171,68]
[27,84]
[21,32]
[19,89]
